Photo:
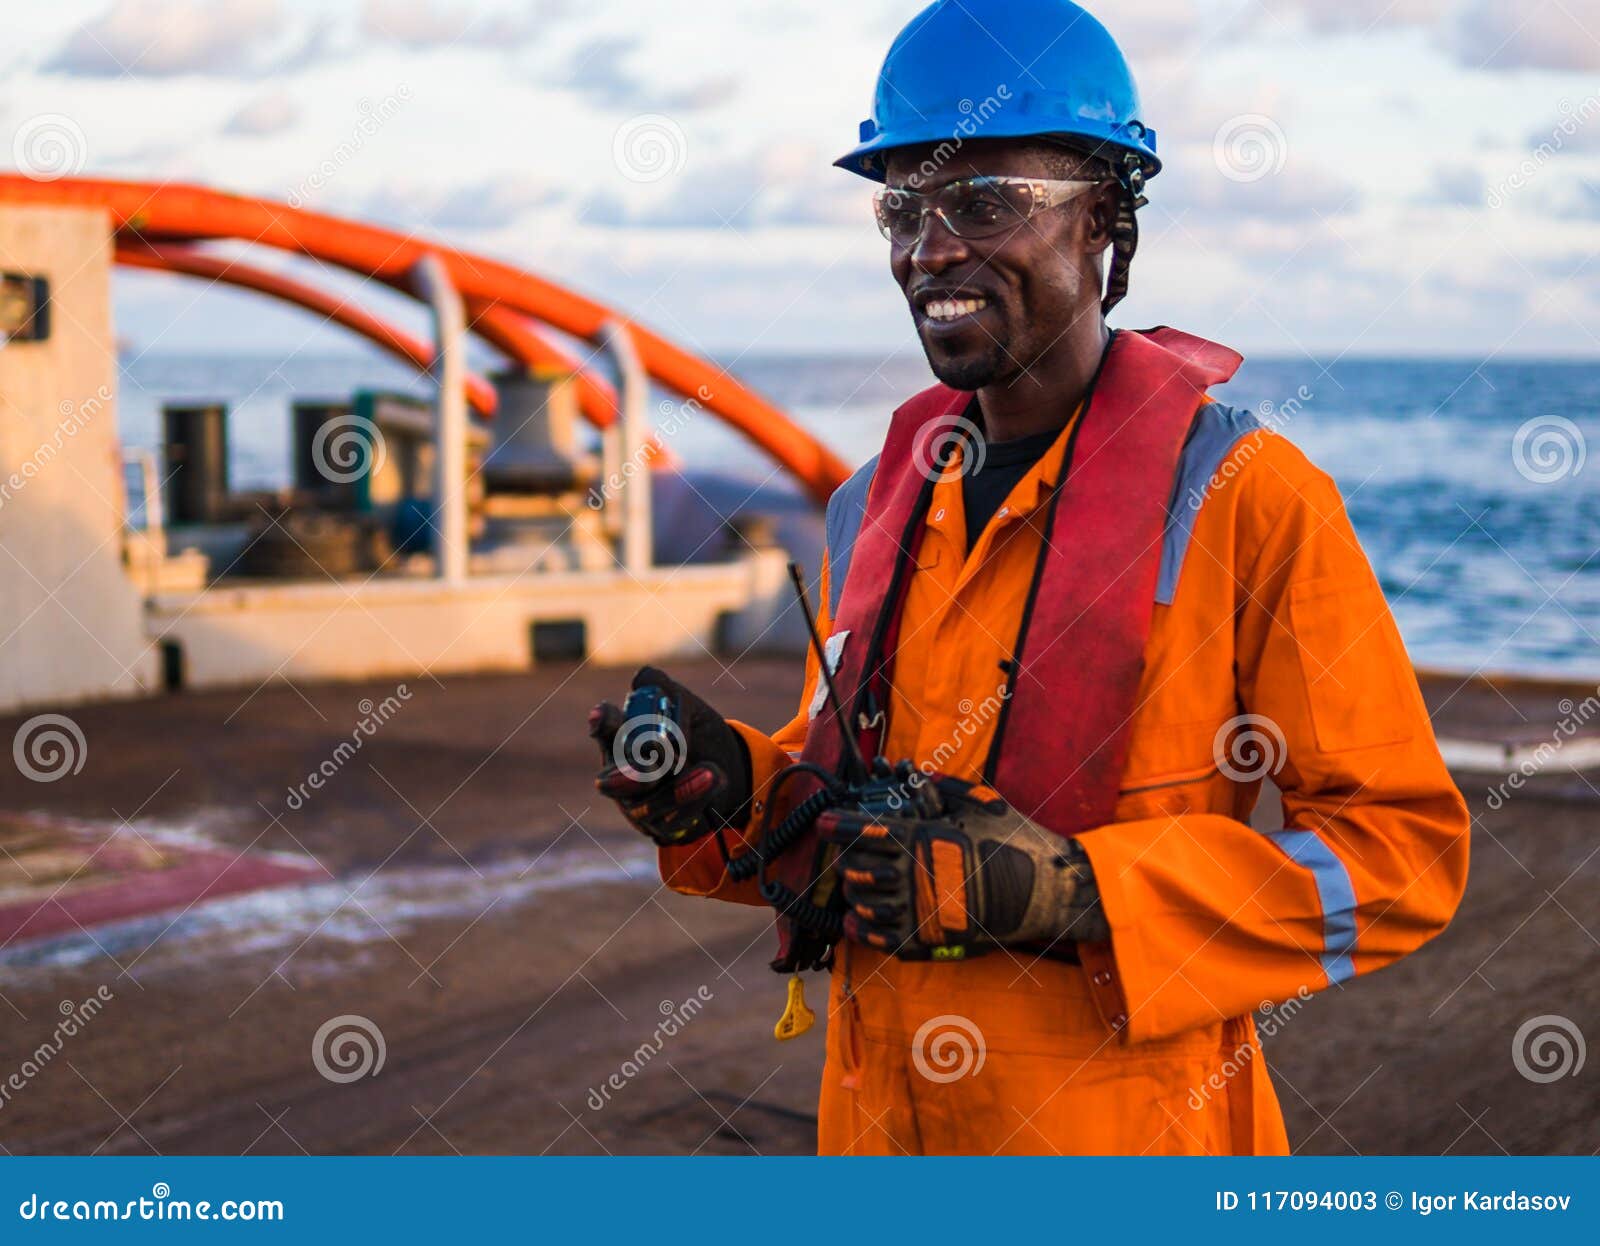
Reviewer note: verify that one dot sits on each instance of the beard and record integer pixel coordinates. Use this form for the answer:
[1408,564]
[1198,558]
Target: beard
[971,370]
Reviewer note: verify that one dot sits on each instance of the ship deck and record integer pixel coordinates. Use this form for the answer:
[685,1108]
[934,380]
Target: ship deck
[455,881]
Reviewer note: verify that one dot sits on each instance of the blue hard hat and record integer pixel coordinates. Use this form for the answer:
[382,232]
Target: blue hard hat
[964,69]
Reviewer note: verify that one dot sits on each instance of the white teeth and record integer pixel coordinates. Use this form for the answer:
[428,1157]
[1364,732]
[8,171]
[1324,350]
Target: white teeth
[949,309]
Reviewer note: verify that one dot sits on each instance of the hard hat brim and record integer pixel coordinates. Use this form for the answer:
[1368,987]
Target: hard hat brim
[867,159]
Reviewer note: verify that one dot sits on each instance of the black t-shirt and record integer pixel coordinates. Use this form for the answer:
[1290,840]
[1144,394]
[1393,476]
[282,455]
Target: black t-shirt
[984,491]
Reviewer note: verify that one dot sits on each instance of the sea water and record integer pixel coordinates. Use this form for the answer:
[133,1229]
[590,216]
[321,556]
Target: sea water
[1468,482]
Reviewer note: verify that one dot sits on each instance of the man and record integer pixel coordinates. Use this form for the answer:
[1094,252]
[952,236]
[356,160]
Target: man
[1094,610]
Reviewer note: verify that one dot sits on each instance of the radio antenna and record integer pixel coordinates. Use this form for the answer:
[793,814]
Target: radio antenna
[852,750]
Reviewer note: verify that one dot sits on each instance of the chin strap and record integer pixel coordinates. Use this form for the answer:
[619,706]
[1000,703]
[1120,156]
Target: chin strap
[1125,230]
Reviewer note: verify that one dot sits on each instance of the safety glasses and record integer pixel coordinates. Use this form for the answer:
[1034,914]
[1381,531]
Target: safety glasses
[975,207]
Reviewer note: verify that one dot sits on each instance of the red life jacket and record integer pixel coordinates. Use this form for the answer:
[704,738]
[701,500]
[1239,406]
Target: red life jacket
[1061,740]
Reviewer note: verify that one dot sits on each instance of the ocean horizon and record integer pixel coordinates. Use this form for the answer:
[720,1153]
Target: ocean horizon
[1466,480]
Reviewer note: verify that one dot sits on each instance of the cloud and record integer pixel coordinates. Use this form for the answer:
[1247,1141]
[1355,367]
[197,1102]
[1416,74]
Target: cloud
[1154,28]
[165,38]
[597,72]
[699,96]
[271,113]
[420,24]
[495,203]
[829,202]
[1492,34]
[425,24]
[786,183]
[1479,34]
[1577,201]
[413,23]
[1362,15]
[1457,185]
[1577,131]
[1297,192]
[731,203]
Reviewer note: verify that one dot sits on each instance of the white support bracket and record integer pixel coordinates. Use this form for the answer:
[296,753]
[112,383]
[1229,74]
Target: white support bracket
[633,392]
[432,282]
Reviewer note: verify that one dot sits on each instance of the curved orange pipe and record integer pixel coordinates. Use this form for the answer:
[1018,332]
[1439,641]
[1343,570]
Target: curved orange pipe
[512,333]
[515,335]
[597,400]
[402,345]
[182,213]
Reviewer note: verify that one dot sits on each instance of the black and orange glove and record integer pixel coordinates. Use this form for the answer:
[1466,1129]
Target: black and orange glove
[970,877]
[671,762]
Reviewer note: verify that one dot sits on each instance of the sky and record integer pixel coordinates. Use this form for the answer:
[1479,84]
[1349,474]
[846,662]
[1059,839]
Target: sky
[1342,177]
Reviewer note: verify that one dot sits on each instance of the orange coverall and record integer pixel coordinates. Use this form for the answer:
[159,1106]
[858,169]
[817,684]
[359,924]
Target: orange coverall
[1150,1047]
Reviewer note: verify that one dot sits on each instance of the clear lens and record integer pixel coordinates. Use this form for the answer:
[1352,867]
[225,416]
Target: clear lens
[978,207]
[899,214]
[981,207]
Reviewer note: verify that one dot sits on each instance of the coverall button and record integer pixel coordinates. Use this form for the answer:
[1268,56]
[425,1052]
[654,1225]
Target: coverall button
[1103,978]
[1118,1021]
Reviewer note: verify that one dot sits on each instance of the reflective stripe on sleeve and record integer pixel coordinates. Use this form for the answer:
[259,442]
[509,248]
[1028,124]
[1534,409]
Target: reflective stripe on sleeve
[1335,893]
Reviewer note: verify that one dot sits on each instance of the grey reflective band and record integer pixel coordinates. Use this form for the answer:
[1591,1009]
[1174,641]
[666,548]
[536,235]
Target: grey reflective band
[1335,894]
[846,509]
[1217,429]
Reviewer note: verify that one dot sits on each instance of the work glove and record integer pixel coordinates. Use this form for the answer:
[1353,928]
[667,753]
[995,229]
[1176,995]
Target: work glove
[958,873]
[671,762]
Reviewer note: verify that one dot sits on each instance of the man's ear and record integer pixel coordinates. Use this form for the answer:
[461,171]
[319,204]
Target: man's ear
[1100,219]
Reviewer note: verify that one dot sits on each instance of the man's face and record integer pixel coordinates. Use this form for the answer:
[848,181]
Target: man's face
[1031,281]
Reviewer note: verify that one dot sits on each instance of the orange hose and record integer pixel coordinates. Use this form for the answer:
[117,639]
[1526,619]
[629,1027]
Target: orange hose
[515,335]
[396,341]
[185,213]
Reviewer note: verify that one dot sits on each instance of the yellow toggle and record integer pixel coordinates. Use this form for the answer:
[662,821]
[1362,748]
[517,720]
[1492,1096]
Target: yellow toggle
[797,1018]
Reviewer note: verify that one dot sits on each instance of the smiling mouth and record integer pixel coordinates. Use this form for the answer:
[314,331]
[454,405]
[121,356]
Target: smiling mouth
[947,311]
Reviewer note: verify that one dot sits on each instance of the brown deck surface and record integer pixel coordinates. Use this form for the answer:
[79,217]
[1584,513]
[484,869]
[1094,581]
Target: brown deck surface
[503,931]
